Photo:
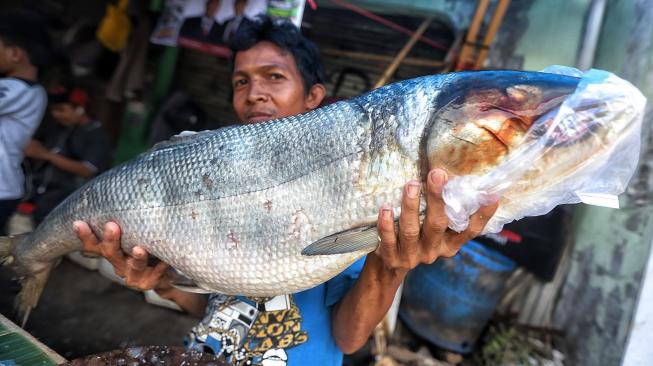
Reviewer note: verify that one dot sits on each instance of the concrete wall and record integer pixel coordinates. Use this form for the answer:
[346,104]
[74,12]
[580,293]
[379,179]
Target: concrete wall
[611,247]
[598,300]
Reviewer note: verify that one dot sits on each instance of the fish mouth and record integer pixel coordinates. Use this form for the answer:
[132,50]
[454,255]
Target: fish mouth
[479,128]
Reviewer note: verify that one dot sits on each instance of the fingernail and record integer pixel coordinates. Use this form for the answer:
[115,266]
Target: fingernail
[413,189]
[386,211]
[76,226]
[438,177]
[137,253]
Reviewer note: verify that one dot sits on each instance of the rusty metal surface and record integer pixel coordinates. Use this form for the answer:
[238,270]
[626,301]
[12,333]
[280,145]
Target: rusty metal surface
[149,355]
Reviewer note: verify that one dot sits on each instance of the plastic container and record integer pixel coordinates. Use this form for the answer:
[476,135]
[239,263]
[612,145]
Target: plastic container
[449,302]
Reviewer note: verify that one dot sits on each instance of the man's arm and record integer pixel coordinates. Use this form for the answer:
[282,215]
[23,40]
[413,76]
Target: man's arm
[36,150]
[12,93]
[367,302]
[134,269]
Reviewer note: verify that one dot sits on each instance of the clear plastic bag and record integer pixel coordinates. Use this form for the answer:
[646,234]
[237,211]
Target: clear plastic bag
[585,150]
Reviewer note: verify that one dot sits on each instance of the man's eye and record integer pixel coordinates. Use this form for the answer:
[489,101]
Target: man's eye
[240,82]
[276,76]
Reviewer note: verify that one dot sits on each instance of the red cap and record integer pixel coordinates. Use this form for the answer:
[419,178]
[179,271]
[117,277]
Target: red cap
[75,96]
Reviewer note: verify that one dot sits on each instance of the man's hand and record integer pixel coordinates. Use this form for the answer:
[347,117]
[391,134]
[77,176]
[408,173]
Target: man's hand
[36,150]
[414,245]
[133,268]
[367,302]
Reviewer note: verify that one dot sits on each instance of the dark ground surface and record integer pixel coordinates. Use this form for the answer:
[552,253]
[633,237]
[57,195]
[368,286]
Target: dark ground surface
[82,313]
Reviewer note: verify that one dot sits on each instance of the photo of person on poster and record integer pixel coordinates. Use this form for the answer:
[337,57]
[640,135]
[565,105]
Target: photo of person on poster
[210,30]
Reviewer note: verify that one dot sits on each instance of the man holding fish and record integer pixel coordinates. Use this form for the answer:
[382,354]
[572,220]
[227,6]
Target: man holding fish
[277,73]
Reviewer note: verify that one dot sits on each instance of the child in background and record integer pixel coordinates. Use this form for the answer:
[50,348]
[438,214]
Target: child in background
[79,149]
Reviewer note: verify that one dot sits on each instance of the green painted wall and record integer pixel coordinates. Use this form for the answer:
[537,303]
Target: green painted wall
[554,33]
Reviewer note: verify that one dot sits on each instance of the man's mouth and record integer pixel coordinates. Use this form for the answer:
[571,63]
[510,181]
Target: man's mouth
[256,117]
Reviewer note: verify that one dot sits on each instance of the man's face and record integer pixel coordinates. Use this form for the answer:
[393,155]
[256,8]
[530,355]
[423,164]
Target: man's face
[65,113]
[211,8]
[267,85]
[7,54]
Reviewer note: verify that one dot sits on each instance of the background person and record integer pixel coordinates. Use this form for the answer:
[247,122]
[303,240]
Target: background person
[78,149]
[23,50]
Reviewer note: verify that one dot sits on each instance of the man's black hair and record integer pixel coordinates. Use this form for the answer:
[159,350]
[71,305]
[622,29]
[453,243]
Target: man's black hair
[286,36]
[26,31]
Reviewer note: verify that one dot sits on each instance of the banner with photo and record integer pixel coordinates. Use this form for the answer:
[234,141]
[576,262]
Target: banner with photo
[208,25]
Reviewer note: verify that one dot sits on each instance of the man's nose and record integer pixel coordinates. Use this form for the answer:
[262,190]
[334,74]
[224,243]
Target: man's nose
[257,92]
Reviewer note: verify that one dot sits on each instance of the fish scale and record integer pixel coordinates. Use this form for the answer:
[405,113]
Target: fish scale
[234,208]
[205,196]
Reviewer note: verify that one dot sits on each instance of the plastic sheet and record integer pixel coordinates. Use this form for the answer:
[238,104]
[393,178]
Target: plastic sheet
[586,150]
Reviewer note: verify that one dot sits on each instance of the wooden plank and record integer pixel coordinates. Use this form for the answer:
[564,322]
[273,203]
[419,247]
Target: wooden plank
[402,54]
[495,22]
[470,40]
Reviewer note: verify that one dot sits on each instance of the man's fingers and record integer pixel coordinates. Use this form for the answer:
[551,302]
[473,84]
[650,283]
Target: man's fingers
[453,240]
[138,260]
[112,234]
[110,247]
[139,275]
[409,228]
[435,221]
[160,269]
[451,243]
[388,238]
[135,271]
[111,241]
[85,234]
[479,219]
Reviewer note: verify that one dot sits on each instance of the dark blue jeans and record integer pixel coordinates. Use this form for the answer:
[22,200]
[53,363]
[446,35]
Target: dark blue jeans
[7,207]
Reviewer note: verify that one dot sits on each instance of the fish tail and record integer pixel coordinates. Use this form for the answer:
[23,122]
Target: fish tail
[28,297]
[32,283]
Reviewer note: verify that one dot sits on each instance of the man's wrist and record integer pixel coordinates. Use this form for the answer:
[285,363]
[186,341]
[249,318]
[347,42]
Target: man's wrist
[167,293]
[49,155]
[391,277]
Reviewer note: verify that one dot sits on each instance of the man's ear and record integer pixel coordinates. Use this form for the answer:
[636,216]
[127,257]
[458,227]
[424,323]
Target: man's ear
[315,96]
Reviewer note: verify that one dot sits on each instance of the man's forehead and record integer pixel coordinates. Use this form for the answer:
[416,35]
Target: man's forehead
[263,55]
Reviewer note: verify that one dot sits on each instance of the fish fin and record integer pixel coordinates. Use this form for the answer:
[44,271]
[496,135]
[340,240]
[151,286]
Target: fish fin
[180,139]
[191,289]
[7,246]
[345,242]
[28,297]
[181,281]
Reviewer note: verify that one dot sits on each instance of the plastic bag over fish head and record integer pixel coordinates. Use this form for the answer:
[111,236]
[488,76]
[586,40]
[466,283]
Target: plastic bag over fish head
[586,150]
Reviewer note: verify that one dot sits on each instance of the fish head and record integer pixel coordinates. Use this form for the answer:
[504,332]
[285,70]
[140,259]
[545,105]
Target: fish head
[482,116]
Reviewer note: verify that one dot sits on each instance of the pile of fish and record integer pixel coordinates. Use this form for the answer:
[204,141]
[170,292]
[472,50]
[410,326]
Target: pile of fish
[237,210]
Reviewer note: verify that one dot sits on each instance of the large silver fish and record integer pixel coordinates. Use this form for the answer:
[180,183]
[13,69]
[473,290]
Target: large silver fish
[238,209]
